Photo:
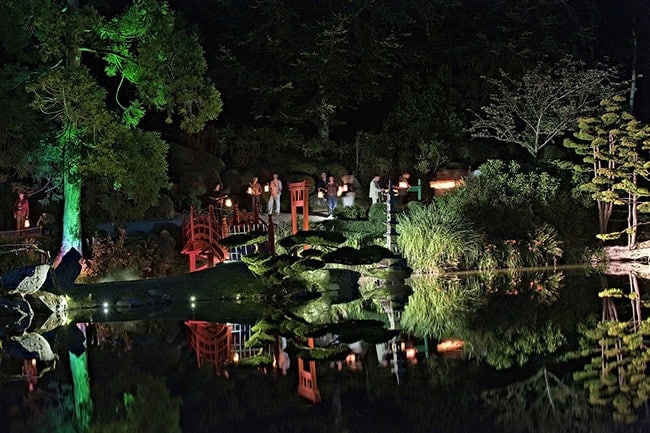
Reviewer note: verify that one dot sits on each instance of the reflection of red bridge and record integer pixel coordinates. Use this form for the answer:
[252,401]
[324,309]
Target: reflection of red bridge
[210,342]
[202,233]
[219,343]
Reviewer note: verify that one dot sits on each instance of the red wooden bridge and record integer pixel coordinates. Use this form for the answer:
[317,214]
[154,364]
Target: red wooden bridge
[202,233]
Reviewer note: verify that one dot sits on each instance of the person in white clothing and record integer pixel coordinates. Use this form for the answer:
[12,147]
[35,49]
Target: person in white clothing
[275,188]
[375,189]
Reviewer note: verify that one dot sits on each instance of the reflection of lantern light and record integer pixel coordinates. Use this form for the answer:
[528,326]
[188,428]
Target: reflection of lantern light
[403,185]
[321,194]
[266,188]
[450,345]
[228,202]
[249,190]
[26,224]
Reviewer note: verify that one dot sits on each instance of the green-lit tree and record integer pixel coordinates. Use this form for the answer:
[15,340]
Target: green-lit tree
[149,63]
[543,105]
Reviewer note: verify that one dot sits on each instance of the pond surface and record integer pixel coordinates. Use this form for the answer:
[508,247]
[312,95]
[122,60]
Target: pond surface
[524,352]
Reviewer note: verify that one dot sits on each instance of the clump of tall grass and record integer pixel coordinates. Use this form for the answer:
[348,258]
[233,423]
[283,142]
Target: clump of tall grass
[541,249]
[432,238]
[511,254]
[543,246]
[488,259]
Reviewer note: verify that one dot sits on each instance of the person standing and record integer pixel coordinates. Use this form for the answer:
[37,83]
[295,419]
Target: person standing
[321,185]
[275,188]
[21,211]
[256,192]
[375,189]
[332,195]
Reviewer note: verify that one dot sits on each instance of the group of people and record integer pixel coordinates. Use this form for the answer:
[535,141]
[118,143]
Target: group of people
[219,195]
[274,190]
[327,188]
[376,192]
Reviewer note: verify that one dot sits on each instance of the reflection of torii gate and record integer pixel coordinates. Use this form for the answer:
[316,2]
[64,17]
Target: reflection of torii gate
[307,380]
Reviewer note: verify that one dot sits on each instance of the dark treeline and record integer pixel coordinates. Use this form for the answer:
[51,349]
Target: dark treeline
[391,76]
[372,87]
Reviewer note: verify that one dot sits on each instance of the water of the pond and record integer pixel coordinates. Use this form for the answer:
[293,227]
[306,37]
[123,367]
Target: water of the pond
[515,372]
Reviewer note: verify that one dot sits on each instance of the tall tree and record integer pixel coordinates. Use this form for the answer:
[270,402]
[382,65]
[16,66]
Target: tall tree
[150,63]
[614,146]
[543,105]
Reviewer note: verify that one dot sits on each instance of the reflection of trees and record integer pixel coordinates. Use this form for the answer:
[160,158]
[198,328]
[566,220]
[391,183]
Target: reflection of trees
[47,409]
[615,374]
[440,307]
[502,317]
[543,402]
[149,408]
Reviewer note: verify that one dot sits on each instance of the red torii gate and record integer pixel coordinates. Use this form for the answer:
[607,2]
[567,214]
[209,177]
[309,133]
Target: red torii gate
[299,198]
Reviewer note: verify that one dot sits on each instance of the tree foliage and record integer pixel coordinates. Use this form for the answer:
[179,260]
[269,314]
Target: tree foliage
[614,148]
[150,63]
[543,105]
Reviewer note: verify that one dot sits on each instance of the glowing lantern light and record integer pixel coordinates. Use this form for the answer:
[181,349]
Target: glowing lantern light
[228,202]
[266,188]
[403,185]
[411,352]
[321,194]
[26,224]
[442,184]
[249,190]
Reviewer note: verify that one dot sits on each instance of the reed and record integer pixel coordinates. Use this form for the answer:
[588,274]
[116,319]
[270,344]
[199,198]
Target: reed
[433,238]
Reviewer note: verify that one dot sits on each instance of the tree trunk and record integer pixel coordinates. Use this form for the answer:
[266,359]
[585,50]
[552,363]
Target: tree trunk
[71,239]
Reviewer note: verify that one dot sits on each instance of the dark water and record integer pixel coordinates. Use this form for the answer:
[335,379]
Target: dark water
[525,337]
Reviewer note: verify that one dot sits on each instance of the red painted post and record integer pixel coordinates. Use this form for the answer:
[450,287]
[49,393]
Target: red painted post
[299,198]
